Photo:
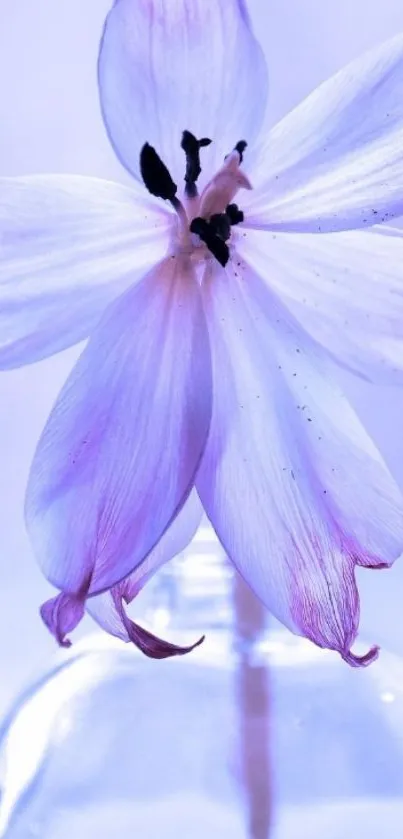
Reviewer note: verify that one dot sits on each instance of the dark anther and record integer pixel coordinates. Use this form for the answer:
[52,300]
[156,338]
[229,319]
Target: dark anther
[234,214]
[200,226]
[215,244]
[221,225]
[191,146]
[240,148]
[155,174]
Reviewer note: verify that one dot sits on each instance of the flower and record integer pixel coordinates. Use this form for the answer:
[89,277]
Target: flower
[209,379]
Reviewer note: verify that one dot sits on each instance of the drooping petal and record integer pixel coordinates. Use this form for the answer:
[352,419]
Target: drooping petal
[69,245]
[345,290]
[118,456]
[335,162]
[146,641]
[107,608]
[170,65]
[293,485]
[61,614]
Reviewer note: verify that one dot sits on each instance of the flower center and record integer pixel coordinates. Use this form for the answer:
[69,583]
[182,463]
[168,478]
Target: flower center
[210,216]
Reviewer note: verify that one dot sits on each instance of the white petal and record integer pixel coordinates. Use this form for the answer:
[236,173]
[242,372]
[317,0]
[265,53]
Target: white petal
[293,485]
[344,289]
[169,66]
[118,456]
[68,246]
[336,161]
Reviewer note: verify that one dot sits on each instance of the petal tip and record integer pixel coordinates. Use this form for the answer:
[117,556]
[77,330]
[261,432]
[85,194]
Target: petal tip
[61,615]
[361,660]
[154,647]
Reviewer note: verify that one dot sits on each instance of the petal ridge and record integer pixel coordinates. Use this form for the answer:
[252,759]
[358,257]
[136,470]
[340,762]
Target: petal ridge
[292,484]
[334,163]
[117,459]
[154,81]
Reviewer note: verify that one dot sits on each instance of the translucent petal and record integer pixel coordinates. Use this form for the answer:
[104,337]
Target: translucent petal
[345,289]
[118,456]
[62,614]
[107,608]
[335,162]
[68,246]
[293,485]
[166,67]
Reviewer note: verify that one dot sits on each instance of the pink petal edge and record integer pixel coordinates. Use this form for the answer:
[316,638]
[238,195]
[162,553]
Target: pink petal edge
[61,614]
[361,660]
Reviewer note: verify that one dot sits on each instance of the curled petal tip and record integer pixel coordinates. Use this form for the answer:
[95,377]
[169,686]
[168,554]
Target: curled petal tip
[154,647]
[361,660]
[377,566]
[197,644]
[61,615]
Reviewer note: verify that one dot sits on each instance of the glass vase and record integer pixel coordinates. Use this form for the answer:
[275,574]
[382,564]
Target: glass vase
[257,734]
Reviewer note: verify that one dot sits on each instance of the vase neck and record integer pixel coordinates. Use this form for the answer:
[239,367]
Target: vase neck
[194,590]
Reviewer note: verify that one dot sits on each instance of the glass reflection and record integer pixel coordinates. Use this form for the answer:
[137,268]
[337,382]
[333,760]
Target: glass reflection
[257,734]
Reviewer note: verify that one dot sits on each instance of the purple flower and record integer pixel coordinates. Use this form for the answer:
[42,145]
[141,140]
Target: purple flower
[208,379]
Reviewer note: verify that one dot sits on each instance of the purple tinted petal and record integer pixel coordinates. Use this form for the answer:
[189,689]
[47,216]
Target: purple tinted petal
[149,644]
[69,246]
[118,456]
[335,162]
[362,660]
[293,485]
[61,615]
[344,289]
[155,647]
[104,608]
[169,66]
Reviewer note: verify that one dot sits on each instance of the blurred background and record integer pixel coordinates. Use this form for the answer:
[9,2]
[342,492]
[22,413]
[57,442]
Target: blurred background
[331,734]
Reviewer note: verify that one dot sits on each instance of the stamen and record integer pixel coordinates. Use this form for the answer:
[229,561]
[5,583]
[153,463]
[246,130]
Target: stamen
[213,226]
[191,146]
[216,230]
[221,224]
[214,243]
[180,210]
[158,181]
[155,174]
[234,214]
[240,148]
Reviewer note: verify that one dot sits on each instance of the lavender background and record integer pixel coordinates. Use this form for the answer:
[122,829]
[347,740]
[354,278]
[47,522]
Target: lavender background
[50,122]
